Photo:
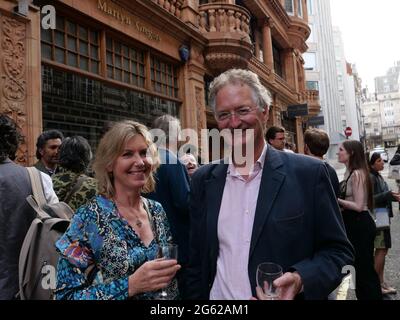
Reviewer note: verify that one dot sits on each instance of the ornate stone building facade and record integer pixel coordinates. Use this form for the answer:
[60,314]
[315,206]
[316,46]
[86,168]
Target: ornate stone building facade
[20,96]
[107,60]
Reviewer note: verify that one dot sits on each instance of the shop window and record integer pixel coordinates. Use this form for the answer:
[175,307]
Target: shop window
[289,7]
[164,77]
[125,64]
[71,44]
[278,63]
[300,8]
[312,85]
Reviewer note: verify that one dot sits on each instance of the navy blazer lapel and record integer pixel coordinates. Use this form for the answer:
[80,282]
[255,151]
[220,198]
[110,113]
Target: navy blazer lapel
[271,182]
[214,188]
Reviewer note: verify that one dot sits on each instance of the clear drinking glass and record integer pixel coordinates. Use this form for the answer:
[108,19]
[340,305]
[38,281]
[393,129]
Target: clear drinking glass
[267,273]
[168,251]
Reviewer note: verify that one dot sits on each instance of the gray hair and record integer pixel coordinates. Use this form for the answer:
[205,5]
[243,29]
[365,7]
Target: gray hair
[166,123]
[261,95]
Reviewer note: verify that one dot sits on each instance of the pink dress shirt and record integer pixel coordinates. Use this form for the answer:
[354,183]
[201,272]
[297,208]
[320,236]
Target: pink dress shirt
[235,226]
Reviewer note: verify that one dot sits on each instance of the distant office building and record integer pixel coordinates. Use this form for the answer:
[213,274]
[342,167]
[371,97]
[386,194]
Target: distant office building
[321,71]
[388,95]
[347,88]
[372,120]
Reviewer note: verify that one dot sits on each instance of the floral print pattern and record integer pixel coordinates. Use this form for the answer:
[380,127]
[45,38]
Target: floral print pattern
[100,250]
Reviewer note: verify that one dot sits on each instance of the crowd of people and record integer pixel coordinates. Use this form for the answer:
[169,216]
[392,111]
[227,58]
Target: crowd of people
[226,218]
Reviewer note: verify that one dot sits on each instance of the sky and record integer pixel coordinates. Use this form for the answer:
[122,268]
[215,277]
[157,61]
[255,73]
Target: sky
[371,35]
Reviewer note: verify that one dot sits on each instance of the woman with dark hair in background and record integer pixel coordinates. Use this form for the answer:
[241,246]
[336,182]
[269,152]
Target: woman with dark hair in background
[71,183]
[356,201]
[383,198]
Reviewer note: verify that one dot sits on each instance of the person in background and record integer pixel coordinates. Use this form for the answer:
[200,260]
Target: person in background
[316,144]
[276,137]
[110,249]
[47,146]
[190,162]
[172,188]
[71,183]
[356,200]
[16,215]
[383,198]
[107,125]
[289,148]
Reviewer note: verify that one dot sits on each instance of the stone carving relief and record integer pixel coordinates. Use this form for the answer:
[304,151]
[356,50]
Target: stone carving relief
[197,55]
[12,76]
[199,108]
[200,112]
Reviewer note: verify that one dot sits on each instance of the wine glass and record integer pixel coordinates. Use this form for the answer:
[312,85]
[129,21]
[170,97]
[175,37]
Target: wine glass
[167,251]
[267,273]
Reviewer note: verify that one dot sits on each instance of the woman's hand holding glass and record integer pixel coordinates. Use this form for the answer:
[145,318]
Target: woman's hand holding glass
[152,276]
[170,252]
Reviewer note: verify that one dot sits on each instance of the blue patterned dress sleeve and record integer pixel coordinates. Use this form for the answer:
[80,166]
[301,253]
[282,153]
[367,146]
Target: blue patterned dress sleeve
[80,247]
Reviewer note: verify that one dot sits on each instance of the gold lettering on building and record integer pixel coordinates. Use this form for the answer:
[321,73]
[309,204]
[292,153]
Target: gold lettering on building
[119,15]
[149,34]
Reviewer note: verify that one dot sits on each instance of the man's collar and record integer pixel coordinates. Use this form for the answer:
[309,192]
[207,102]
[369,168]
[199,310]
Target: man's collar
[259,163]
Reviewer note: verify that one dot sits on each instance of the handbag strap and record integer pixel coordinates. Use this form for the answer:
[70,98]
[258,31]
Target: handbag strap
[38,200]
[348,178]
[343,189]
[37,186]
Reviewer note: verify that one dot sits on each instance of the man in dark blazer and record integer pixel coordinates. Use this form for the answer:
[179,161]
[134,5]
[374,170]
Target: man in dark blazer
[172,188]
[289,217]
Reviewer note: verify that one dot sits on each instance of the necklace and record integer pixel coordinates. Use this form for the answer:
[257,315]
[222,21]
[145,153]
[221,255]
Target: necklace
[137,222]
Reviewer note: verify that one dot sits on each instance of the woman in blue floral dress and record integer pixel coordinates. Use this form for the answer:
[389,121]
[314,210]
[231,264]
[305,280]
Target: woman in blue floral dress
[110,248]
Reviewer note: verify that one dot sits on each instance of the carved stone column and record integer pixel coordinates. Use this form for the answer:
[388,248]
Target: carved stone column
[20,89]
[13,91]
[291,68]
[193,112]
[257,45]
[299,135]
[267,44]
[275,113]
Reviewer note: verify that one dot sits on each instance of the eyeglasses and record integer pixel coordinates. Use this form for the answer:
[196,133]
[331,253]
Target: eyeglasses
[240,112]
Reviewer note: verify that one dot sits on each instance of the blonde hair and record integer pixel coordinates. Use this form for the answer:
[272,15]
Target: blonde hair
[111,147]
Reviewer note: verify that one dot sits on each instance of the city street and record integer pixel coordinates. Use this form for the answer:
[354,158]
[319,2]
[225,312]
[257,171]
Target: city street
[392,268]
